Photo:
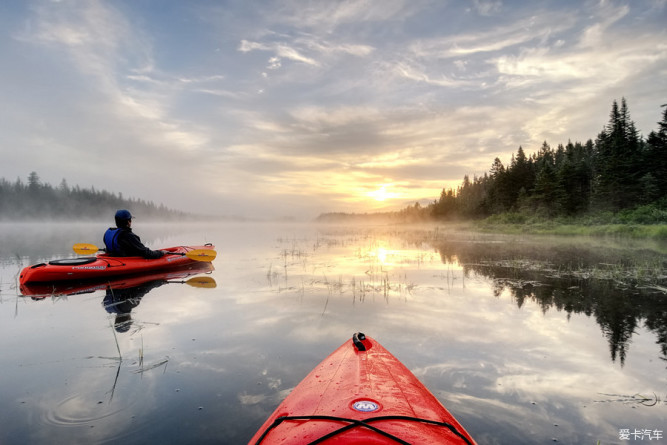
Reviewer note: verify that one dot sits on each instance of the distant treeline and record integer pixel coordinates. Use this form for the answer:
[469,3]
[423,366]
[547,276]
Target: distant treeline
[620,173]
[36,200]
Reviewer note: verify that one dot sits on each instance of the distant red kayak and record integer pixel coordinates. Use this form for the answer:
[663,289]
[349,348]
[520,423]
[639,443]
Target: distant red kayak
[361,394]
[103,266]
[39,290]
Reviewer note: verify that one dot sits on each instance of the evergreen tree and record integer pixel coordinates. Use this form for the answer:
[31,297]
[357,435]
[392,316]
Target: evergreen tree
[64,187]
[521,178]
[446,207]
[574,179]
[500,194]
[33,182]
[656,157]
[618,162]
[549,194]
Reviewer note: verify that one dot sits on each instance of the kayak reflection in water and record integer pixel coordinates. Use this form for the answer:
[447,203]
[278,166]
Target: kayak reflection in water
[122,301]
[121,241]
[124,293]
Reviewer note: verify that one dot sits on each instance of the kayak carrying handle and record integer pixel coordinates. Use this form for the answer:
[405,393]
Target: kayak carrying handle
[353,423]
[357,340]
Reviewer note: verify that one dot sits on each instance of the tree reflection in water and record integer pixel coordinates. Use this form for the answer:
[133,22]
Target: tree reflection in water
[620,288]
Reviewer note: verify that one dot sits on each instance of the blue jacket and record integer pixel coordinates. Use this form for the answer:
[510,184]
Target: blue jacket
[111,241]
[120,241]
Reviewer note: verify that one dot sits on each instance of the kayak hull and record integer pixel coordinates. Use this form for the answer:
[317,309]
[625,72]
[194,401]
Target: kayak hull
[360,396]
[104,266]
[40,290]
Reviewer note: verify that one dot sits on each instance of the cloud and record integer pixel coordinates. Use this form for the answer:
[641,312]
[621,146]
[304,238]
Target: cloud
[89,33]
[280,50]
[412,72]
[487,8]
[109,51]
[503,36]
[296,53]
[606,14]
[325,16]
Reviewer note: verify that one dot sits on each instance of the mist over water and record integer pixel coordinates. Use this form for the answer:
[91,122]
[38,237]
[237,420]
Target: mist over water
[524,339]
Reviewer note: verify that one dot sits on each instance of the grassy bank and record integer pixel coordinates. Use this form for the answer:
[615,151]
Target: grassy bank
[653,231]
[649,222]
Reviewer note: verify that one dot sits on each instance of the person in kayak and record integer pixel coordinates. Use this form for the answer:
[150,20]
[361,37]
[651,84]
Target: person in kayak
[121,241]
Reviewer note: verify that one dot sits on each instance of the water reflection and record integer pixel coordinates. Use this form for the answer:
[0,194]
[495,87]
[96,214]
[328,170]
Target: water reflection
[620,289]
[123,294]
[621,286]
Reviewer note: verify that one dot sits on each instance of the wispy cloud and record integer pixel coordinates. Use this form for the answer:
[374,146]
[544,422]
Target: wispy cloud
[326,16]
[487,8]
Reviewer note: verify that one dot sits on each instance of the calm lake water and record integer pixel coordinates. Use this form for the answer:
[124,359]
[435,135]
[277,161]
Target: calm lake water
[526,340]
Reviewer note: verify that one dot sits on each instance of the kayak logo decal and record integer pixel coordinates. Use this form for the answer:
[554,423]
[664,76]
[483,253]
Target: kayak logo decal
[89,268]
[365,406]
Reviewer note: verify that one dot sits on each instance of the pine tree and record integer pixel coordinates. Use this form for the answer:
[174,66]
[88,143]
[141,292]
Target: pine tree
[446,206]
[33,182]
[656,157]
[618,162]
[499,197]
[548,191]
[521,177]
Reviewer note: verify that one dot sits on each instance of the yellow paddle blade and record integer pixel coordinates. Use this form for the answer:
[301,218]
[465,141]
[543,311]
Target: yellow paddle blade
[85,249]
[202,254]
[204,282]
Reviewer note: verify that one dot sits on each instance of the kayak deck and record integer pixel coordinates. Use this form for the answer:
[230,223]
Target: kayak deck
[361,394]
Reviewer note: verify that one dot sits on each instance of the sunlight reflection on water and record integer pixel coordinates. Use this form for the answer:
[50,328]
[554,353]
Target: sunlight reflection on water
[510,336]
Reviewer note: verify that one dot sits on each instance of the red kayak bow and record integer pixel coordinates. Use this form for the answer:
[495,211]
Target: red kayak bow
[361,394]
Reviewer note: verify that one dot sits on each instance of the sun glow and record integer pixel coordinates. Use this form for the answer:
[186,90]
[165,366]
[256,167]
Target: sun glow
[382,194]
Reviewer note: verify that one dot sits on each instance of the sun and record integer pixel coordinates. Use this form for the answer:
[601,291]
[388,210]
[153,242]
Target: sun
[382,194]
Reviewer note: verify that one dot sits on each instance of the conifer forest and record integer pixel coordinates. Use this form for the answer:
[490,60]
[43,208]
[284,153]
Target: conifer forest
[617,171]
[36,200]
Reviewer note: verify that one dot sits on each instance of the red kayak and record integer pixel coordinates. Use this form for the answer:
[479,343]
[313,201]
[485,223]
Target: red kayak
[361,394]
[192,272]
[103,265]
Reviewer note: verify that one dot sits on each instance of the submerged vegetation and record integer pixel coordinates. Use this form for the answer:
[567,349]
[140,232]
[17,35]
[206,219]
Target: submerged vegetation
[616,181]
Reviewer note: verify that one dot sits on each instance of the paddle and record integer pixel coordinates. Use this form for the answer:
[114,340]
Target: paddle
[206,255]
[203,282]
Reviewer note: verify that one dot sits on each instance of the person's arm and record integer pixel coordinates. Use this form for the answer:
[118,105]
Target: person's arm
[132,244]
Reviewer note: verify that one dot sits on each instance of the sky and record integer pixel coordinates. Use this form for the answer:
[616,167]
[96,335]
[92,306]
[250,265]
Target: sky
[298,107]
